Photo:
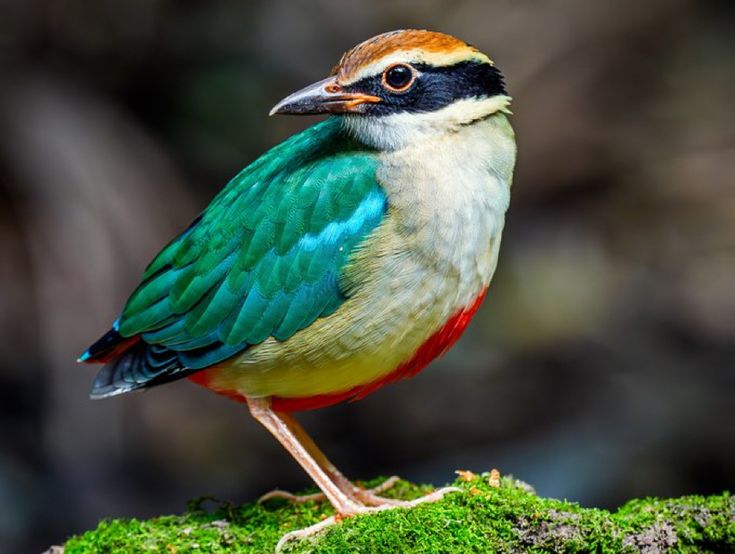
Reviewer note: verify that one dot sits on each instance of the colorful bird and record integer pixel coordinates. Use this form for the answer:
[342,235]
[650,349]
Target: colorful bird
[345,258]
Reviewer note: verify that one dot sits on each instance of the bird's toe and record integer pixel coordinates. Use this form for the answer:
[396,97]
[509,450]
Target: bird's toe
[291,497]
[305,533]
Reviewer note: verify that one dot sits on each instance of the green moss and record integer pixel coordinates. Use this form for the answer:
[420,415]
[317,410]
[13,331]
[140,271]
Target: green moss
[481,518]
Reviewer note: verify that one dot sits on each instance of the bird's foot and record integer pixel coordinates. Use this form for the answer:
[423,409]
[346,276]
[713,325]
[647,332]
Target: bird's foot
[387,504]
[368,497]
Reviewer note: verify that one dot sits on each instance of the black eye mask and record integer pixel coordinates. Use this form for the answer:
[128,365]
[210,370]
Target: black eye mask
[435,88]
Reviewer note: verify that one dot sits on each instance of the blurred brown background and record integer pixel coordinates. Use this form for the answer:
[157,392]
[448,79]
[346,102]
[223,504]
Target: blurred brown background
[599,368]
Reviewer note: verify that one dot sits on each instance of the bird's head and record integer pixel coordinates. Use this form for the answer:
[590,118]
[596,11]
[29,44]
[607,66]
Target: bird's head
[397,87]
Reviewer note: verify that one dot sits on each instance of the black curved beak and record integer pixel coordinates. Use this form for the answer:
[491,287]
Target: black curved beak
[326,96]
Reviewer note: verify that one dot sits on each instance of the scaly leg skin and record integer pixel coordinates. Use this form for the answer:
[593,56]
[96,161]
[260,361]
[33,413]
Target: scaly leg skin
[369,497]
[260,410]
[290,434]
[364,496]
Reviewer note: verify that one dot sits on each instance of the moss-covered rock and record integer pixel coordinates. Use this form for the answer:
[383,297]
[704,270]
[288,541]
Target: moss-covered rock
[489,515]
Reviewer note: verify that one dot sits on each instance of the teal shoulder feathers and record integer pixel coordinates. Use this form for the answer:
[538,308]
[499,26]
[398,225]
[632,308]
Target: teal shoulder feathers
[263,260]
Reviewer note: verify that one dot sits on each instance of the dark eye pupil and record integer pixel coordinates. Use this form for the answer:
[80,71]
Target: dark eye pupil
[398,76]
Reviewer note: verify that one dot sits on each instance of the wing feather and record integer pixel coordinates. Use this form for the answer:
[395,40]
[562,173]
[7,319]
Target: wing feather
[262,261]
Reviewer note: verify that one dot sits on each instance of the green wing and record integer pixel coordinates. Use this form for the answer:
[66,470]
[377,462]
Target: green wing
[264,259]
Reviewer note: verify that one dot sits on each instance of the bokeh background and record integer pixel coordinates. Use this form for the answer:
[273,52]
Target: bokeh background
[600,366]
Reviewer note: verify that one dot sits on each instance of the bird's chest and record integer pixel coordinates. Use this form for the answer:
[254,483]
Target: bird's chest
[412,285]
[447,206]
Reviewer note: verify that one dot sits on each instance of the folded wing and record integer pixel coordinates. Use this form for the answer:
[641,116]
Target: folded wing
[264,260]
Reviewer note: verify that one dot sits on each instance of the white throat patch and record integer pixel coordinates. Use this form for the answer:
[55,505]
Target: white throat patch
[391,132]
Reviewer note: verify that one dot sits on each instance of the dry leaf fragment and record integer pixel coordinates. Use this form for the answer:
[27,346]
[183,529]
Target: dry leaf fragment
[494,479]
[466,475]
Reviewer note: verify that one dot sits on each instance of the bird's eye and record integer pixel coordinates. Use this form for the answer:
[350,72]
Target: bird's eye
[398,78]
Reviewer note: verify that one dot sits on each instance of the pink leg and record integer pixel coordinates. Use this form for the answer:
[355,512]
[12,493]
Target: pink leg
[363,496]
[291,435]
[260,409]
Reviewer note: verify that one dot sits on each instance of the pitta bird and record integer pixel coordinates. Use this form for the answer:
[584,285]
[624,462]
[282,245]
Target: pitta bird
[346,258]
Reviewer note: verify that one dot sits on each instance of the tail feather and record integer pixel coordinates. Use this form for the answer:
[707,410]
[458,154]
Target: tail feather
[141,366]
[131,363]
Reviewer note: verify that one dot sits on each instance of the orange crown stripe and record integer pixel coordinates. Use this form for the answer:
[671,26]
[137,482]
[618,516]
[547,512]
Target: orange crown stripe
[372,50]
